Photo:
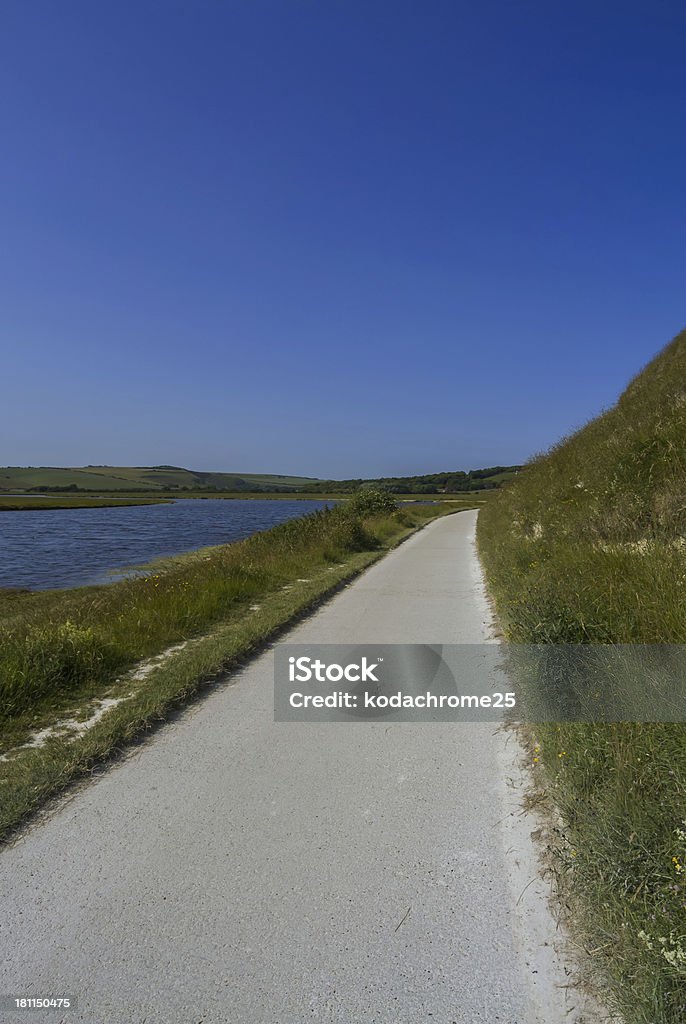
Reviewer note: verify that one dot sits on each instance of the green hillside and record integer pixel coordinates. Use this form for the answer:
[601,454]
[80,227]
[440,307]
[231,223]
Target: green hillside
[588,545]
[175,478]
[451,482]
[15,478]
[141,478]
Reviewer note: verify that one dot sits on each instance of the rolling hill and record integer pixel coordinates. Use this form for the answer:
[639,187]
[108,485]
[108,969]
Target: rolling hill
[140,478]
[143,479]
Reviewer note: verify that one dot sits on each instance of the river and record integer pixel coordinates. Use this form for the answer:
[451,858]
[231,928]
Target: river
[70,547]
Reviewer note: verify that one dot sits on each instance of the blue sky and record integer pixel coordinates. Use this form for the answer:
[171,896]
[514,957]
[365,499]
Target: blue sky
[332,238]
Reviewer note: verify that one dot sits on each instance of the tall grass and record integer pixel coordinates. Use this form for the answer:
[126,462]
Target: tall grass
[588,545]
[52,642]
[62,649]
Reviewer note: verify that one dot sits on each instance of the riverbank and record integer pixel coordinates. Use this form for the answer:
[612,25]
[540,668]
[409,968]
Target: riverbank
[55,503]
[64,653]
[82,547]
[468,499]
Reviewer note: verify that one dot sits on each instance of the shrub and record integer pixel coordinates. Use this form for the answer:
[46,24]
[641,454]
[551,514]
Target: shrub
[372,501]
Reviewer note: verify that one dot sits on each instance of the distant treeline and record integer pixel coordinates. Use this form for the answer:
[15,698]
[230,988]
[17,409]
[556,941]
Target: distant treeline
[427,483]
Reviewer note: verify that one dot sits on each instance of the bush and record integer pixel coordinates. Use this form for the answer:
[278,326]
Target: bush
[372,501]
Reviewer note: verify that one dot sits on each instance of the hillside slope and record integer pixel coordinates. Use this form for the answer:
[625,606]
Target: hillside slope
[588,545]
[141,478]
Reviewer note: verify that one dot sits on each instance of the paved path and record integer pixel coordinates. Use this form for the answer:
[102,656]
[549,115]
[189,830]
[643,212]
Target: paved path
[235,870]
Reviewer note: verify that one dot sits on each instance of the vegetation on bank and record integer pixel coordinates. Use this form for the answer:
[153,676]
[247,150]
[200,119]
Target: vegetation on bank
[51,500]
[471,498]
[453,482]
[61,651]
[31,503]
[589,546]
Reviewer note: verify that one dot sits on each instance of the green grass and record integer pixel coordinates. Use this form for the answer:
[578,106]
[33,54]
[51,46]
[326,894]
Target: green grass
[118,478]
[175,479]
[23,503]
[502,478]
[588,545]
[20,478]
[52,640]
[60,650]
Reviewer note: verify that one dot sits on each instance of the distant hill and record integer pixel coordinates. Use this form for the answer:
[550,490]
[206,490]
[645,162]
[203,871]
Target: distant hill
[142,479]
[428,483]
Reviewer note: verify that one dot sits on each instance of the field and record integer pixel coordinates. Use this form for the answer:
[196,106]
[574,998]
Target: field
[62,653]
[588,545]
[175,480]
[123,478]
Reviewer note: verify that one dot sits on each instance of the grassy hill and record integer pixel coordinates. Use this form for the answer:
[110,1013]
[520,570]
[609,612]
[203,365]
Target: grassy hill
[173,478]
[141,478]
[588,545]
[452,482]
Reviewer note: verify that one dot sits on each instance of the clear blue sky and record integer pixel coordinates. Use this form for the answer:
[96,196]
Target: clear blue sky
[333,237]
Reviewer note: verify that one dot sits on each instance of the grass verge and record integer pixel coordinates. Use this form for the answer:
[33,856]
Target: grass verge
[86,639]
[588,546]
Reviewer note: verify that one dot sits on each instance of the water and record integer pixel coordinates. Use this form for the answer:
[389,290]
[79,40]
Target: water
[71,547]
